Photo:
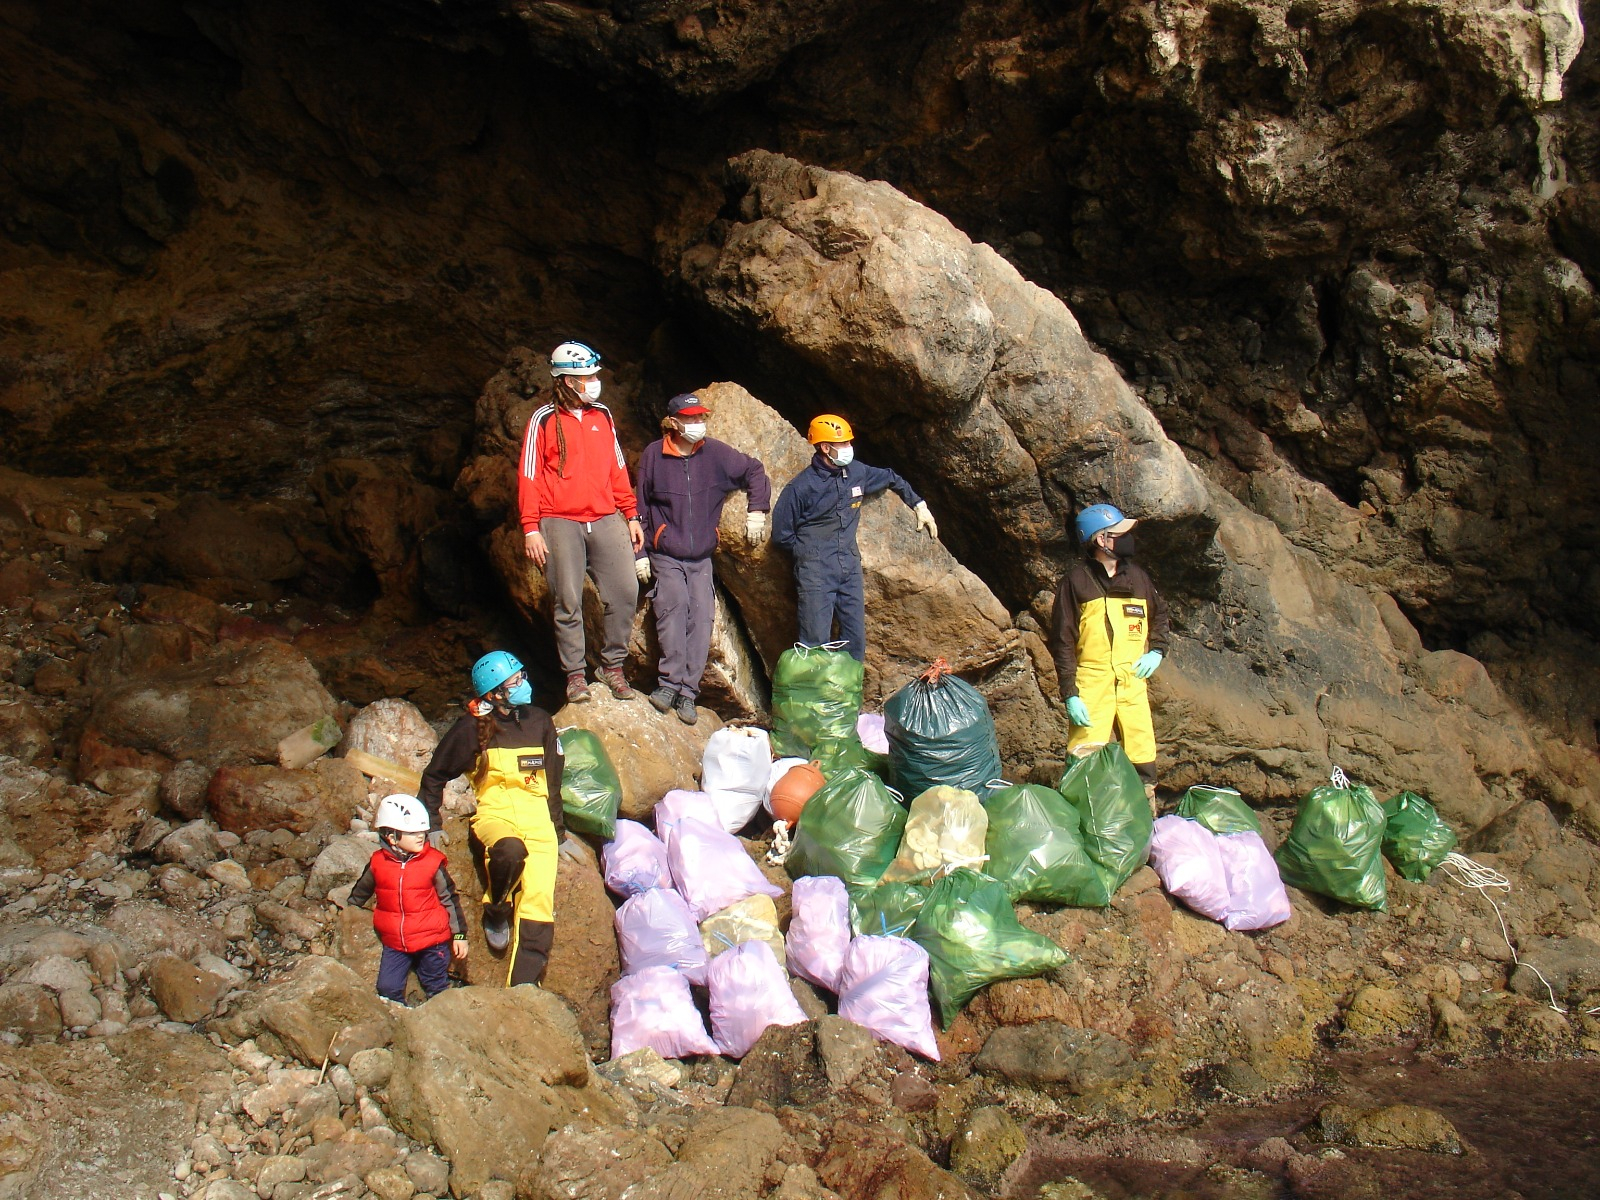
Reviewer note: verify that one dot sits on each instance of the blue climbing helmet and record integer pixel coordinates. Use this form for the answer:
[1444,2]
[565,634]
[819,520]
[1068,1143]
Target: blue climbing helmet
[1098,518]
[493,669]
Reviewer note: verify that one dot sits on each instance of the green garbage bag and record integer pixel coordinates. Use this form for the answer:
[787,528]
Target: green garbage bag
[1334,847]
[1415,837]
[886,910]
[591,789]
[816,697]
[836,754]
[850,827]
[1219,809]
[1109,797]
[940,732]
[1035,847]
[973,939]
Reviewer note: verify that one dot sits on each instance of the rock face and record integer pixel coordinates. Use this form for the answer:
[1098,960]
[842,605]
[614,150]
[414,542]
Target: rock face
[486,1073]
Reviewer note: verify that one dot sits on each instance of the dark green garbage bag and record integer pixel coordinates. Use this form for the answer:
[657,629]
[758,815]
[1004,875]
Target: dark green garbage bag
[591,789]
[973,939]
[1415,837]
[1335,846]
[1109,796]
[850,827]
[835,755]
[887,910]
[1035,847]
[816,697]
[940,732]
[1219,809]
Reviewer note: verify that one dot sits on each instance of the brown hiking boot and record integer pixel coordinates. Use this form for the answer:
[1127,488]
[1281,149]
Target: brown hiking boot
[577,688]
[613,678]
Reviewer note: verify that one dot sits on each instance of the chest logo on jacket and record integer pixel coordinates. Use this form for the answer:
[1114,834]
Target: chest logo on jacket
[530,765]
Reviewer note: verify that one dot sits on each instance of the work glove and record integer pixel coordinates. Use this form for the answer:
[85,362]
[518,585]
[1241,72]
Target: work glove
[755,528]
[438,839]
[1078,712]
[571,849]
[925,519]
[1147,664]
[641,568]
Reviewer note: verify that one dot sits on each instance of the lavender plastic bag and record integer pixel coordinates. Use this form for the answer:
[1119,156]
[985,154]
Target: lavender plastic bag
[749,991]
[635,860]
[712,869]
[884,988]
[653,1008]
[1185,855]
[678,804]
[1256,896]
[869,728]
[656,929]
[819,929]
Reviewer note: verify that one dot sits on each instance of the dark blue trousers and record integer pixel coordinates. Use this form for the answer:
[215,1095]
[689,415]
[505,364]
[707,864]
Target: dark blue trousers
[432,966]
[826,591]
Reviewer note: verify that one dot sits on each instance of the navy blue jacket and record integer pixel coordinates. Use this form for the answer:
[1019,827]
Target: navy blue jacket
[681,497]
[820,509]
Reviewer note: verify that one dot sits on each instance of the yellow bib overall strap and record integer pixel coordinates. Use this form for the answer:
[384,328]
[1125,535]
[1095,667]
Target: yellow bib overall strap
[1113,631]
[513,802]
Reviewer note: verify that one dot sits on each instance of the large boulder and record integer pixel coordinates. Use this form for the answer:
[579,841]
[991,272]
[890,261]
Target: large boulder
[319,1009]
[232,708]
[868,1162]
[246,798]
[725,1155]
[652,752]
[485,1074]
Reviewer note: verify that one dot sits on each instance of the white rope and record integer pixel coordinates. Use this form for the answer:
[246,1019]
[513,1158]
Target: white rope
[1472,874]
[1339,779]
[781,845]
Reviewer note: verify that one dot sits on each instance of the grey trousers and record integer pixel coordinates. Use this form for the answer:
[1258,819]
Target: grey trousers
[686,608]
[602,549]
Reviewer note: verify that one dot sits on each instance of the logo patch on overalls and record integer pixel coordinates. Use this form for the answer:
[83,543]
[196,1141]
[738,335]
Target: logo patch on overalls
[855,491]
[1133,610]
[530,765]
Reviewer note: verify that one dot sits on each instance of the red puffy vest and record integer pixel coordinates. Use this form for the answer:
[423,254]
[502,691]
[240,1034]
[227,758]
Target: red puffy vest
[407,912]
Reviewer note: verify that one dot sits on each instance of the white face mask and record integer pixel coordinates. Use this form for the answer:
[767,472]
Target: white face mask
[589,389]
[844,455]
[694,432]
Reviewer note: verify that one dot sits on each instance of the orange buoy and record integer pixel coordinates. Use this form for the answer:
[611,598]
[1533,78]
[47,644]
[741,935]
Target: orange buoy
[789,794]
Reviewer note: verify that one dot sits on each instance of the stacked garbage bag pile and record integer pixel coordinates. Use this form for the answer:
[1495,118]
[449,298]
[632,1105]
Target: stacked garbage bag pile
[908,853]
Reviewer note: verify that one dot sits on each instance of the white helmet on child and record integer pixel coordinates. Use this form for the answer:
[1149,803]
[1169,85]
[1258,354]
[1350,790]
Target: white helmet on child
[402,813]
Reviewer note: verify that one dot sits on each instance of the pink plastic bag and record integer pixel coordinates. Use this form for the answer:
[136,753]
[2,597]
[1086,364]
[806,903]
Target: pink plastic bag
[869,728]
[653,1008]
[1185,855]
[884,988]
[656,929]
[819,929]
[712,869]
[1256,897]
[749,991]
[635,860]
[678,804]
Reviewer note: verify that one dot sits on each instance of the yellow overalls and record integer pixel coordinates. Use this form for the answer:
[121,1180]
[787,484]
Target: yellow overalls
[513,802]
[1113,631]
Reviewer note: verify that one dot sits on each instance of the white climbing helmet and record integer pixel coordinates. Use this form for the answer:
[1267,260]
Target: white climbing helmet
[573,358]
[402,813]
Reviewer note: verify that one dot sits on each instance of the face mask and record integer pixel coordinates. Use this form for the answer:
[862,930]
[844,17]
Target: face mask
[694,432]
[522,693]
[590,389]
[843,456]
[1122,545]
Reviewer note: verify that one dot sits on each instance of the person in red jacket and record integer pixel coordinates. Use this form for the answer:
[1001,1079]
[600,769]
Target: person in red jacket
[579,516]
[418,917]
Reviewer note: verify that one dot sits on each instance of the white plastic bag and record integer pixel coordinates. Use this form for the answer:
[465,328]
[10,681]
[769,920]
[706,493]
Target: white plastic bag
[734,773]
[653,1008]
[753,919]
[884,988]
[678,804]
[780,768]
[656,929]
[819,929]
[1185,855]
[635,860]
[869,728]
[1256,896]
[946,829]
[749,991]
[712,868]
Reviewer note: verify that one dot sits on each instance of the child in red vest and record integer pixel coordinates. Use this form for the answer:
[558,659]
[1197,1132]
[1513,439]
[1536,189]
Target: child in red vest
[418,918]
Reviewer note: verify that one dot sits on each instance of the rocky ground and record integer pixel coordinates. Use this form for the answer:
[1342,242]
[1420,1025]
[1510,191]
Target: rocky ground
[186,1007]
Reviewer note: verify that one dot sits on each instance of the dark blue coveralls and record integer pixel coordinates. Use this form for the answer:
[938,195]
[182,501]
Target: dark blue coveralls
[816,520]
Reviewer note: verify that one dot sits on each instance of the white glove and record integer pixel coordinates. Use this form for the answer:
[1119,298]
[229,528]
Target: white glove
[925,519]
[438,839]
[641,568]
[571,849]
[755,528]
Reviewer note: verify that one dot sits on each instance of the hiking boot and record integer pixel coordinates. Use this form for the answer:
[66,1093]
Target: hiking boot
[497,925]
[685,710]
[661,699]
[614,679]
[577,688]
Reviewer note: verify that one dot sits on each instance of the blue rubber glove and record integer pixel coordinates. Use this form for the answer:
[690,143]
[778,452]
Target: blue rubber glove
[1147,664]
[1078,712]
